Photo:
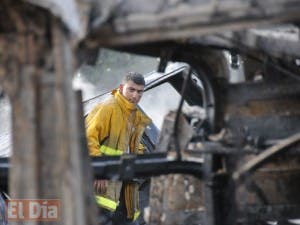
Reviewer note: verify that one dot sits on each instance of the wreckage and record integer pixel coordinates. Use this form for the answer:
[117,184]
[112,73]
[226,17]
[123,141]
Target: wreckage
[240,144]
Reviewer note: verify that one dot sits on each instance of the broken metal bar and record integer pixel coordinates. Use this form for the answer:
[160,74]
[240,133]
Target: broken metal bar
[127,167]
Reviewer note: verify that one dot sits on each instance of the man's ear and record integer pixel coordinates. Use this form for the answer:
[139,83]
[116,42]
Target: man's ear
[121,88]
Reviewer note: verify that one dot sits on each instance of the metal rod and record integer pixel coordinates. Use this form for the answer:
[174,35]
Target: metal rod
[176,123]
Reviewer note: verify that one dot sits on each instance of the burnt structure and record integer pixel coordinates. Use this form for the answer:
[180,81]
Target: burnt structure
[244,153]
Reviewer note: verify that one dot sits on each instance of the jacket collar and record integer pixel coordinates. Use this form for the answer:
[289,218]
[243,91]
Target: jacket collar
[122,101]
[128,106]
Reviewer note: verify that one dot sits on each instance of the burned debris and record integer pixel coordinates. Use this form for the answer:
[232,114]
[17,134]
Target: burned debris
[241,69]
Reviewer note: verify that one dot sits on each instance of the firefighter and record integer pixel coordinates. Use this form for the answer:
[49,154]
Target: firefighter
[115,127]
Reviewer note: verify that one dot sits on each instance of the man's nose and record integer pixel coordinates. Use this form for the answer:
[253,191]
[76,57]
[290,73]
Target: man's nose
[135,94]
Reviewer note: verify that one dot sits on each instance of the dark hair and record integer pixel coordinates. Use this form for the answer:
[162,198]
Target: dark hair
[135,77]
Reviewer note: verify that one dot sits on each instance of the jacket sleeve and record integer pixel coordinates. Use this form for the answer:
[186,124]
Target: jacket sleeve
[97,128]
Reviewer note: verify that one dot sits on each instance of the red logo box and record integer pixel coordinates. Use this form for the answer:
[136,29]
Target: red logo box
[33,210]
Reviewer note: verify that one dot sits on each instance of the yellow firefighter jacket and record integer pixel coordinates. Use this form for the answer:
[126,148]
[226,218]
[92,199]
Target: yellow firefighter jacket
[113,128]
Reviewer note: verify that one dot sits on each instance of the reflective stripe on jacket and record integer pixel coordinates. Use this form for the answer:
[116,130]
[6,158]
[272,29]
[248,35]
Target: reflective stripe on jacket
[112,206]
[112,128]
[105,150]
[106,203]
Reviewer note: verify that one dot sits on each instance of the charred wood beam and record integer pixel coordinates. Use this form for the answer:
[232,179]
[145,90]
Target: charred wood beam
[36,65]
[241,94]
[266,110]
[253,164]
[21,43]
[278,42]
[138,21]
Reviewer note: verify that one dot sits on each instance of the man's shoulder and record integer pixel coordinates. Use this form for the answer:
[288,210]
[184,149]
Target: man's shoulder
[108,103]
[104,107]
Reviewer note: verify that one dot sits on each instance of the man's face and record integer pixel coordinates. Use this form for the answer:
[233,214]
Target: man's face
[132,92]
